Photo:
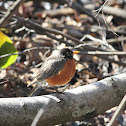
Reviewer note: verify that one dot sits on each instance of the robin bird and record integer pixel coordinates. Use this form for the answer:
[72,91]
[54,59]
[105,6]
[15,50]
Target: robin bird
[57,70]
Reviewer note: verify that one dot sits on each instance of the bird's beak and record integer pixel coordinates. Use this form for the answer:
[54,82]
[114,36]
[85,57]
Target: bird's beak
[75,52]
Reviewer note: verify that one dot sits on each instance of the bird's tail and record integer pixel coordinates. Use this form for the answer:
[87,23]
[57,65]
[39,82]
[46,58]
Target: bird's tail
[33,82]
[33,90]
[38,85]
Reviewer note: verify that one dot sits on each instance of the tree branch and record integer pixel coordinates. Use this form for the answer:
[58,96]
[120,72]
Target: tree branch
[81,103]
[114,11]
[24,51]
[120,108]
[10,12]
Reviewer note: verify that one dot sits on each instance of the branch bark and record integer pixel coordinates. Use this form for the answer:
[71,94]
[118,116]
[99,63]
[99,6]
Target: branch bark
[81,103]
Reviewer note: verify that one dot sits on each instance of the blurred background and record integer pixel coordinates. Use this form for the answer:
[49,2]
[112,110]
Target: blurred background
[96,28]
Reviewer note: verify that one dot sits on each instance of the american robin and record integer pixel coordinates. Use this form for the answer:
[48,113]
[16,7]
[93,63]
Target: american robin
[57,70]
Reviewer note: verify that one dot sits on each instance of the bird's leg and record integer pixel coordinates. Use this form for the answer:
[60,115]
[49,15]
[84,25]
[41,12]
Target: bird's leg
[67,85]
[57,91]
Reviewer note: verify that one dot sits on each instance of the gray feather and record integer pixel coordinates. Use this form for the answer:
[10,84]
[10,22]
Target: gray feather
[50,67]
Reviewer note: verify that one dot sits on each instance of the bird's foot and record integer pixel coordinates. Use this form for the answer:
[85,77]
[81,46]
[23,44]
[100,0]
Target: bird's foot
[57,91]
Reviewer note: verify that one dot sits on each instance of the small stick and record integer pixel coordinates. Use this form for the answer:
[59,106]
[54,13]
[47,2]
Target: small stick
[118,111]
[10,12]
[3,82]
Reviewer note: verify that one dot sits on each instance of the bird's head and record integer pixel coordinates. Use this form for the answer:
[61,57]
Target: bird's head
[67,53]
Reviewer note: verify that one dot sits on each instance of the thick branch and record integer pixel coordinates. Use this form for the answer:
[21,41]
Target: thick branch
[81,103]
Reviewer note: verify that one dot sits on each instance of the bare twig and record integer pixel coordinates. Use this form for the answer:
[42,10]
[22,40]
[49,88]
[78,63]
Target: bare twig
[118,111]
[123,32]
[91,38]
[97,40]
[108,25]
[116,40]
[110,41]
[103,53]
[114,11]
[10,12]
[46,31]
[55,38]
[3,82]
[112,60]
[26,50]
[107,58]
[57,12]
[100,56]
[40,30]
[85,53]
[39,114]
[100,8]
[30,24]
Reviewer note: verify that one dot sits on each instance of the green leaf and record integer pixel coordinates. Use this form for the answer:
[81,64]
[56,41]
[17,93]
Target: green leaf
[6,47]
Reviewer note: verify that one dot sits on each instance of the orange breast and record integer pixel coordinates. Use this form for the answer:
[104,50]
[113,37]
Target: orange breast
[65,75]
